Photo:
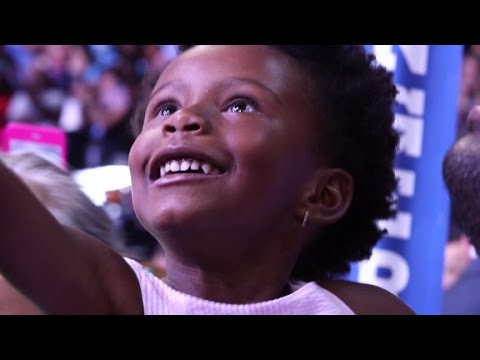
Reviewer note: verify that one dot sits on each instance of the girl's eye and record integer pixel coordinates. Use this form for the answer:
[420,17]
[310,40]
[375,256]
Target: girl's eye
[242,105]
[166,110]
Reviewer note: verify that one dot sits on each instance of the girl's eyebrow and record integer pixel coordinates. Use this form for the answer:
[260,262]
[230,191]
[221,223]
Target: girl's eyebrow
[242,80]
[225,83]
[176,84]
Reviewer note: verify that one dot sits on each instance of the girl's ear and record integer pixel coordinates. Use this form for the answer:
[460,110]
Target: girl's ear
[327,198]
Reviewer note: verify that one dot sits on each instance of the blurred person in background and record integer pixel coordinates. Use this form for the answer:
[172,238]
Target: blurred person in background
[469,88]
[457,256]
[461,173]
[43,88]
[23,56]
[7,82]
[73,117]
[109,113]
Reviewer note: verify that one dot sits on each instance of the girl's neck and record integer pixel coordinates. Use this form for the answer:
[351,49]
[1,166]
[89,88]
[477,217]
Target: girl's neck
[242,285]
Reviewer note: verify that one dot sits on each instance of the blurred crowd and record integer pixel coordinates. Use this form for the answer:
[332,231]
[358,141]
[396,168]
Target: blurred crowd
[87,90]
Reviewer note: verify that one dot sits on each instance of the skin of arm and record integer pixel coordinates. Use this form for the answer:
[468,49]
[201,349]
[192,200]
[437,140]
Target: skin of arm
[12,302]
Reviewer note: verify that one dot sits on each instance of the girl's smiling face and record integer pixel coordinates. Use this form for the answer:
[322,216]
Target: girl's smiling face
[226,144]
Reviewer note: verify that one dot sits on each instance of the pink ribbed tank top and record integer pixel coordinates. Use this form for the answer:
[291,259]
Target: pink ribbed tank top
[306,299]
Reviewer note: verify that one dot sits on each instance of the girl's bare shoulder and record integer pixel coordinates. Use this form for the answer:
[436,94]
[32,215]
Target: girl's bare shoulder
[366,299]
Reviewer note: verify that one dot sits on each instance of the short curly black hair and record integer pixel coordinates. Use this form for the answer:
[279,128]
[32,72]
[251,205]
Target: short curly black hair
[461,174]
[357,96]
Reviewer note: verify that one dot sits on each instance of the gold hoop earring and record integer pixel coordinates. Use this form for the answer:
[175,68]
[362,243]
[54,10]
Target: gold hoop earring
[305,218]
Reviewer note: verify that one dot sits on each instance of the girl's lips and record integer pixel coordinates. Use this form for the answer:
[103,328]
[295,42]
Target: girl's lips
[185,178]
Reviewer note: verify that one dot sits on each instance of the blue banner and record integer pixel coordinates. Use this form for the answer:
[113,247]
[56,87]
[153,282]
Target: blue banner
[409,261]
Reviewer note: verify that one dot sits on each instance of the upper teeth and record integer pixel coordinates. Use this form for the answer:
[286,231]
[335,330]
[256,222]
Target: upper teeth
[175,166]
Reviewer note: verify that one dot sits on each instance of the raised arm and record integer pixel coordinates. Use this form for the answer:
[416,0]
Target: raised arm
[62,270]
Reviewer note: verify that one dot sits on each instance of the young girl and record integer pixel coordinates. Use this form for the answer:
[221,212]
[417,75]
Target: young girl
[262,170]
